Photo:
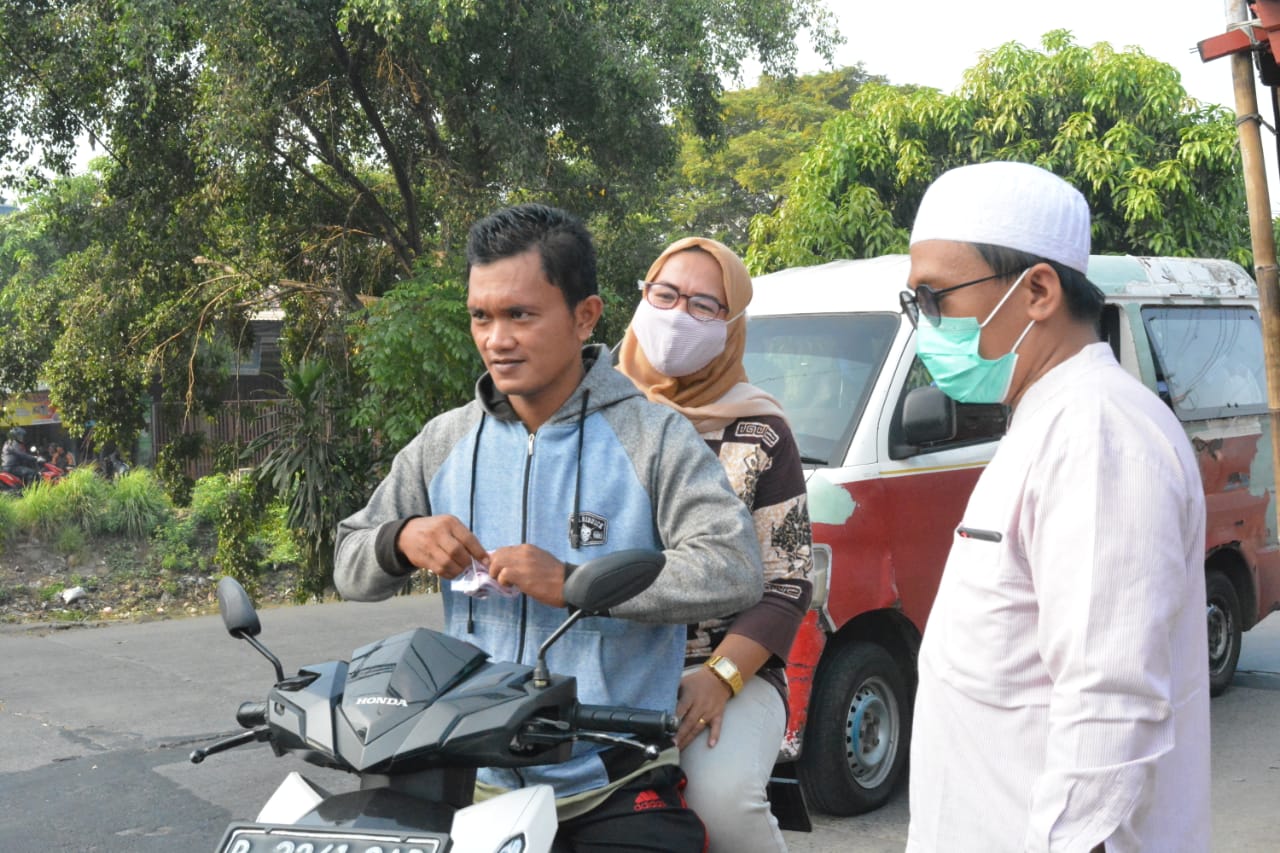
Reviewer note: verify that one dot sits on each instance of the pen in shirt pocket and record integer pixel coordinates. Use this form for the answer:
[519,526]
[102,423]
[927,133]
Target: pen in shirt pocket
[977,533]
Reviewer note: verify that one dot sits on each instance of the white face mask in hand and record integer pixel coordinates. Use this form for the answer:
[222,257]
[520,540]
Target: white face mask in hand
[675,343]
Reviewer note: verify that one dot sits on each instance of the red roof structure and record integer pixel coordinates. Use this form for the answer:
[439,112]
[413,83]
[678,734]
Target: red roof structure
[1256,33]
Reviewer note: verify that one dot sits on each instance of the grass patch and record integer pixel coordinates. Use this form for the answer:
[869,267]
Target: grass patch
[38,510]
[68,616]
[70,540]
[137,505]
[131,550]
[278,538]
[208,496]
[180,545]
[8,519]
[82,497]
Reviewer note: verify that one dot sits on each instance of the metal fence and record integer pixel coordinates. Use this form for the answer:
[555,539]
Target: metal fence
[237,422]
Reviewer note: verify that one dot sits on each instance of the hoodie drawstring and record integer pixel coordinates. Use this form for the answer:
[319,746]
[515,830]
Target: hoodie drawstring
[575,528]
[471,515]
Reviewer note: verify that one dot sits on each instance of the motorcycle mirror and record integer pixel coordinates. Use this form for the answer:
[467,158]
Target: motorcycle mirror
[242,620]
[607,581]
[236,609]
[597,585]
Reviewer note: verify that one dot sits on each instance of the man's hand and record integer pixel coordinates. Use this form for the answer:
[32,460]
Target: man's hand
[531,570]
[441,544]
[701,705]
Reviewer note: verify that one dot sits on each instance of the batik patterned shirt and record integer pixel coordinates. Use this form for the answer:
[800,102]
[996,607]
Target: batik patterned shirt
[762,461]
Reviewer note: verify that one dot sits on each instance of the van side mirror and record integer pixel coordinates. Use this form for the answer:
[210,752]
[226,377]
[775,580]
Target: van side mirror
[928,416]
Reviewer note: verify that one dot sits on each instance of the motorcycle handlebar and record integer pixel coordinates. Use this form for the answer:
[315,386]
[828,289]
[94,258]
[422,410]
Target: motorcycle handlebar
[632,721]
[251,714]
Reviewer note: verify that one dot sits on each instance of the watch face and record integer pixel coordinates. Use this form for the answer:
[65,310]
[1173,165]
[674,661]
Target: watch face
[727,671]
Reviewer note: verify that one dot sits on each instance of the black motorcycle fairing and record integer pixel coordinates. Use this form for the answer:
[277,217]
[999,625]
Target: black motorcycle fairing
[302,718]
[414,701]
[390,681]
[477,724]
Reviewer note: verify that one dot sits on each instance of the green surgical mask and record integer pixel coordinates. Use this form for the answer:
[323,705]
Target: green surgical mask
[950,352]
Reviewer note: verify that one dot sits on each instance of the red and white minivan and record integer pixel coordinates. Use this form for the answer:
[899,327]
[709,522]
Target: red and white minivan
[832,345]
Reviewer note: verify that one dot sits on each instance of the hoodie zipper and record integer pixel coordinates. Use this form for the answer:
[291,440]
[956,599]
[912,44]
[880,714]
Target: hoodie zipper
[524,537]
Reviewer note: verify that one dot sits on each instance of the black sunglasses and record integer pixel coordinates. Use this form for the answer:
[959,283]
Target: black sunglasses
[923,301]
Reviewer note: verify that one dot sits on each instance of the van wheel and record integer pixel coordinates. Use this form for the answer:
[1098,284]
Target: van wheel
[1224,631]
[855,743]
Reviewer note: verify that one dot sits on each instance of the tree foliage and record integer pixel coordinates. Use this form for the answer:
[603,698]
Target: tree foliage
[1160,171]
[313,152]
[36,288]
[319,463]
[399,347]
[324,156]
[723,181]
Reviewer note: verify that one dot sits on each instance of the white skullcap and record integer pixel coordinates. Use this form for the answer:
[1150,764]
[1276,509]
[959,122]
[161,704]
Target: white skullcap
[1013,205]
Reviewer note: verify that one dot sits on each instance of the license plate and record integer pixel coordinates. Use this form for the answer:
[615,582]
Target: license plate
[279,839]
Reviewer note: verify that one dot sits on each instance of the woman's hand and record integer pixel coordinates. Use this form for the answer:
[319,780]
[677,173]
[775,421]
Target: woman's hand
[701,706]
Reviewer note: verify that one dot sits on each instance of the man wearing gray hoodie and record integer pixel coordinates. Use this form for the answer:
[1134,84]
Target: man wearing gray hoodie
[560,459]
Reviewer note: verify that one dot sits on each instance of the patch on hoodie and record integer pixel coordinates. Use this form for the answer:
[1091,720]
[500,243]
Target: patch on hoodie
[592,529]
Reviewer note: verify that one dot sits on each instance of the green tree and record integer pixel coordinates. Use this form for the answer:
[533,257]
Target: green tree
[1161,172]
[319,464]
[35,294]
[743,171]
[322,154]
[398,346]
[313,151]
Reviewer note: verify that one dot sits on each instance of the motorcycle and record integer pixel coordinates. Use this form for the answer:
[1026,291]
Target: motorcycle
[47,471]
[413,716]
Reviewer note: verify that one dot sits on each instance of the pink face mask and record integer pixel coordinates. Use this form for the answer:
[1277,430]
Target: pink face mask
[675,343]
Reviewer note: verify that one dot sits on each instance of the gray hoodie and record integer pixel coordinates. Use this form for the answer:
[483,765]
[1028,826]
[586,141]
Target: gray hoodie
[609,471]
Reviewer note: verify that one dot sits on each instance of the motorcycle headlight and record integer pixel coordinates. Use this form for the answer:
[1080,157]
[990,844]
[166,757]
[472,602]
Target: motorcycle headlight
[513,845]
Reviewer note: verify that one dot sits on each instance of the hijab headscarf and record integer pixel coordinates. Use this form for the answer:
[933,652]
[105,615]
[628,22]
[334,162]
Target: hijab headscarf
[719,393]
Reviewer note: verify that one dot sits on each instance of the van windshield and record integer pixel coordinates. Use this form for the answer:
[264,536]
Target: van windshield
[821,368]
[1209,360]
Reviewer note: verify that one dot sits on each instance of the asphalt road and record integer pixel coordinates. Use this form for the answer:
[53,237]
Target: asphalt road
[96,725]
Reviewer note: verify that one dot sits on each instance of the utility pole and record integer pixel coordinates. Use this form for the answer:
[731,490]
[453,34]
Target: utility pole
[1258,198]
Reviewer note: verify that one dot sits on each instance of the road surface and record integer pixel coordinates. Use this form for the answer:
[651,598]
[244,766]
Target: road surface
[96,725]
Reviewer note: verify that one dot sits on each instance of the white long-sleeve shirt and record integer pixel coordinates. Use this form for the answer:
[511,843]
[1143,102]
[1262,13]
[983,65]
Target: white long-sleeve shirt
[1063,697]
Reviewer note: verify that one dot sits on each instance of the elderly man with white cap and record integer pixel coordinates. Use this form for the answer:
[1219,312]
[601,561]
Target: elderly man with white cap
[1063,699]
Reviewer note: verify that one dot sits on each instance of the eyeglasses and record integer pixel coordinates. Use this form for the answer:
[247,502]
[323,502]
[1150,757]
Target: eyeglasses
[924,299]
[666,297]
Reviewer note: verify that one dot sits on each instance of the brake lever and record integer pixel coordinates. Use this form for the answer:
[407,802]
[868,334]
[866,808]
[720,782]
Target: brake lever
[255,736]
[650,751]
[544,731]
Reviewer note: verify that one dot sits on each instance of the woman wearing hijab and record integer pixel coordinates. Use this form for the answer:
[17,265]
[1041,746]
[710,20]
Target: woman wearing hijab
[684,349]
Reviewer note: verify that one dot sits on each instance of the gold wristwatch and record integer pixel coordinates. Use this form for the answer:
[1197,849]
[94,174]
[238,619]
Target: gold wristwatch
[727,671]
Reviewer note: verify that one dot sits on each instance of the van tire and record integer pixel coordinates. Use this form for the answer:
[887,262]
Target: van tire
[862,688]
[1224,631]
